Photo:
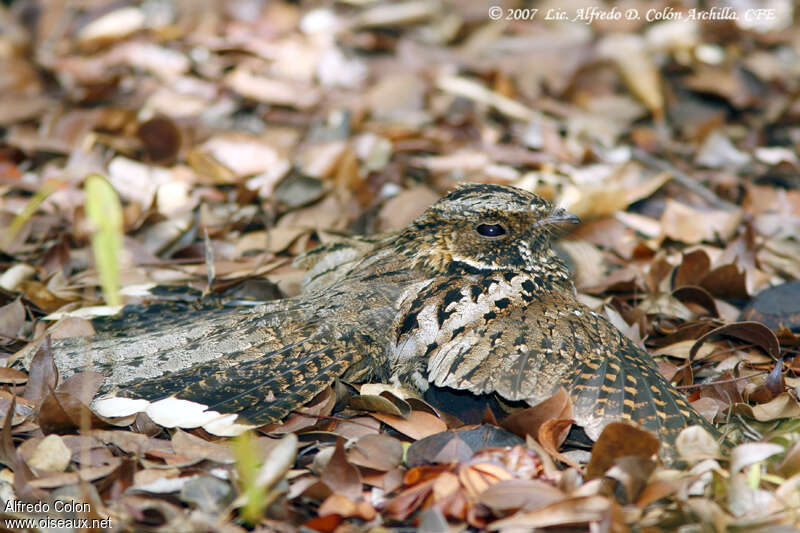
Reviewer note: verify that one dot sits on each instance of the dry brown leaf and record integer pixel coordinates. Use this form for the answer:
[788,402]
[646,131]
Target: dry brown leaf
[619,439]
[783,405]
[51,455]
[416,425]
[689,225]
[379,452]
[528,421]
[194,447]
[340,476]
[527,494]
[579,510]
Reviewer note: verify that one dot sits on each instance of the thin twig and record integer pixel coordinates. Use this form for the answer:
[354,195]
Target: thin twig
[723,381]
[681,177]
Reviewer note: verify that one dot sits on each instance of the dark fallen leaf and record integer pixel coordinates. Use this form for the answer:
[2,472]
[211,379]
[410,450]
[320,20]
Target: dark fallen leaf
[454,451]
[68,406]
[693,268]
[776,307]
[161,139]
[752,332]
[726,282]
[474,439]
[689,294]
[773,385]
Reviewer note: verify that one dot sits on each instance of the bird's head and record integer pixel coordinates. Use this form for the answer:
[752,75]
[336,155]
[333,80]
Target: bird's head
[483,228]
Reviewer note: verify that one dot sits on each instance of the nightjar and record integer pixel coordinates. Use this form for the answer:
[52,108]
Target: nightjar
[469,296]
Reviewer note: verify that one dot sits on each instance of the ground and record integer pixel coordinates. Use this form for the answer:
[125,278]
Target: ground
[207,144]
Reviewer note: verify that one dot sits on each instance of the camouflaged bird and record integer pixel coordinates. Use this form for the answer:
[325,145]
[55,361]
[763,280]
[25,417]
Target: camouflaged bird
[469,296]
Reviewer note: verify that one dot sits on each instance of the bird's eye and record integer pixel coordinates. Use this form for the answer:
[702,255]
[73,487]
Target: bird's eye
[491,230]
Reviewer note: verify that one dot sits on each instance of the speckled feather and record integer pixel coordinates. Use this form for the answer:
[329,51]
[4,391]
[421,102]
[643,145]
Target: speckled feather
[438,302]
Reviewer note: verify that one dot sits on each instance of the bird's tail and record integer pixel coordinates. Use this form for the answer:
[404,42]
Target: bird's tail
[628,387]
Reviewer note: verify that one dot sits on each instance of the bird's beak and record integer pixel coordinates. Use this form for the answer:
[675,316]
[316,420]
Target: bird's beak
[561,216]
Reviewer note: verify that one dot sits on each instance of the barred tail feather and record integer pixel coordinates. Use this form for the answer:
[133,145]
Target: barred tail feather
[625,386]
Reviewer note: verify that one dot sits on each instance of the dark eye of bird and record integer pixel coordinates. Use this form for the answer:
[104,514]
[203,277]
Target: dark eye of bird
[491,230]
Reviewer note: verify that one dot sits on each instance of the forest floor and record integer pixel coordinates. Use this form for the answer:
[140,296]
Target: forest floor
[237,135]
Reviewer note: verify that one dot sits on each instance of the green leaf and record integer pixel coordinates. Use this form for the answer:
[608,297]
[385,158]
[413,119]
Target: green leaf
[49,187]
[104,210]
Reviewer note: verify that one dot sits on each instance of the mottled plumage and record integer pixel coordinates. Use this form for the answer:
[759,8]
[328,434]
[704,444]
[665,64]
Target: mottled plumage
[469,296]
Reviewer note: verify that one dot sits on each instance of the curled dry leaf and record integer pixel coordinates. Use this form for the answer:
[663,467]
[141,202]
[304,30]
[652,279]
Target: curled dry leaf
[10,376]
[552,435]
[278,461]
[697,297]
[340,505]
[753,332]
[385,403]
[752,452]
[783,405]
[477,477]
[632,473]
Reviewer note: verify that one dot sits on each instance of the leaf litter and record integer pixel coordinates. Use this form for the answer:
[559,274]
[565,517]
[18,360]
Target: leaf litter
[239,139]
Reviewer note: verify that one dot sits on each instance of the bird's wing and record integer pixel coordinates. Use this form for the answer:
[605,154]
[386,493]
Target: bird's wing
[527,351]
[230,369]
